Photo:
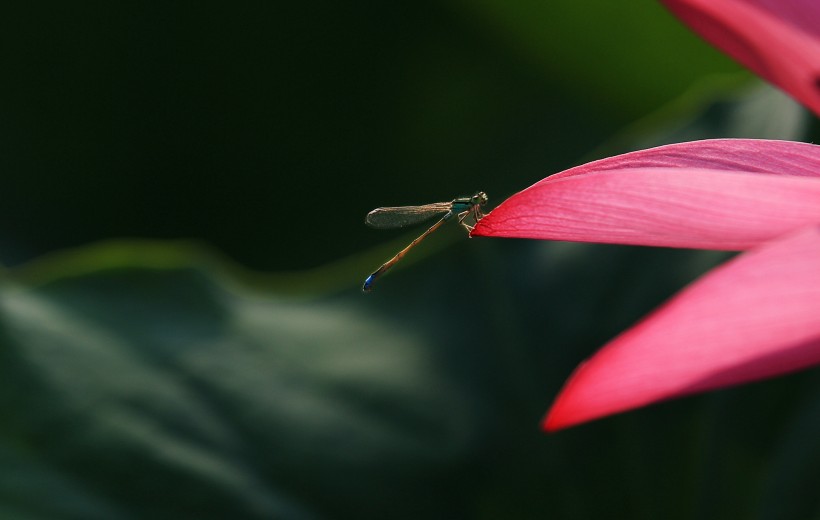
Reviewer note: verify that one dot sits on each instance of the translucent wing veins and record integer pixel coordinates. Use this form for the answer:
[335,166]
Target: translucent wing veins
[393,217]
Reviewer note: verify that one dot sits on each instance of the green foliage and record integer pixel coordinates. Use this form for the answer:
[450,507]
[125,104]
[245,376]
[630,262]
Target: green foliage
[155,388]
[623,57]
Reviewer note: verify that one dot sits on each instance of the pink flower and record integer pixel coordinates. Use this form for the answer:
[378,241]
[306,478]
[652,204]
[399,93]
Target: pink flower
[778,40]
[756,316]
[729,194]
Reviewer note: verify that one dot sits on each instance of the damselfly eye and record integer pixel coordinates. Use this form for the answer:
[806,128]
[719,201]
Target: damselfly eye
[479,198]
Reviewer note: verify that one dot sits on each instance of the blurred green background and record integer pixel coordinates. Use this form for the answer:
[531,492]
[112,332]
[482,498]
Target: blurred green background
[236,371]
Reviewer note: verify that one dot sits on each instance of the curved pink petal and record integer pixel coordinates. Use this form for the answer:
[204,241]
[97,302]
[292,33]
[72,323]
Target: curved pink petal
[728,194]
[779,40]
[754,317]
[747,155]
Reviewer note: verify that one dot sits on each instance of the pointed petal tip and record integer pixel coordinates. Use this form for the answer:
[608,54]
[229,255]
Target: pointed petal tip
[725,194]
[565,414]
[551,423]
[547,426]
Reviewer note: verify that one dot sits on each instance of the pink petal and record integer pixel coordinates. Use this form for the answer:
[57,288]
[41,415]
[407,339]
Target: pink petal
[746,155]
[779,40]
[728,194]
[756,316]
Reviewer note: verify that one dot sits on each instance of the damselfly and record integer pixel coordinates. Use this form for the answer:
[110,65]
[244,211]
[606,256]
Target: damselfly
[401,216]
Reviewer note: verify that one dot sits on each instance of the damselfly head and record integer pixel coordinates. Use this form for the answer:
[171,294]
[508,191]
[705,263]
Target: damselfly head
[479,198]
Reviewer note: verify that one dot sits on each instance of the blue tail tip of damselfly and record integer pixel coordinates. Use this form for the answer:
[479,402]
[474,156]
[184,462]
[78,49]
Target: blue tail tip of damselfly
[368,284]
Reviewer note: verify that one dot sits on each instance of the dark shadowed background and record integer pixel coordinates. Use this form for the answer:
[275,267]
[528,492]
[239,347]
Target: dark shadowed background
[268,129]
